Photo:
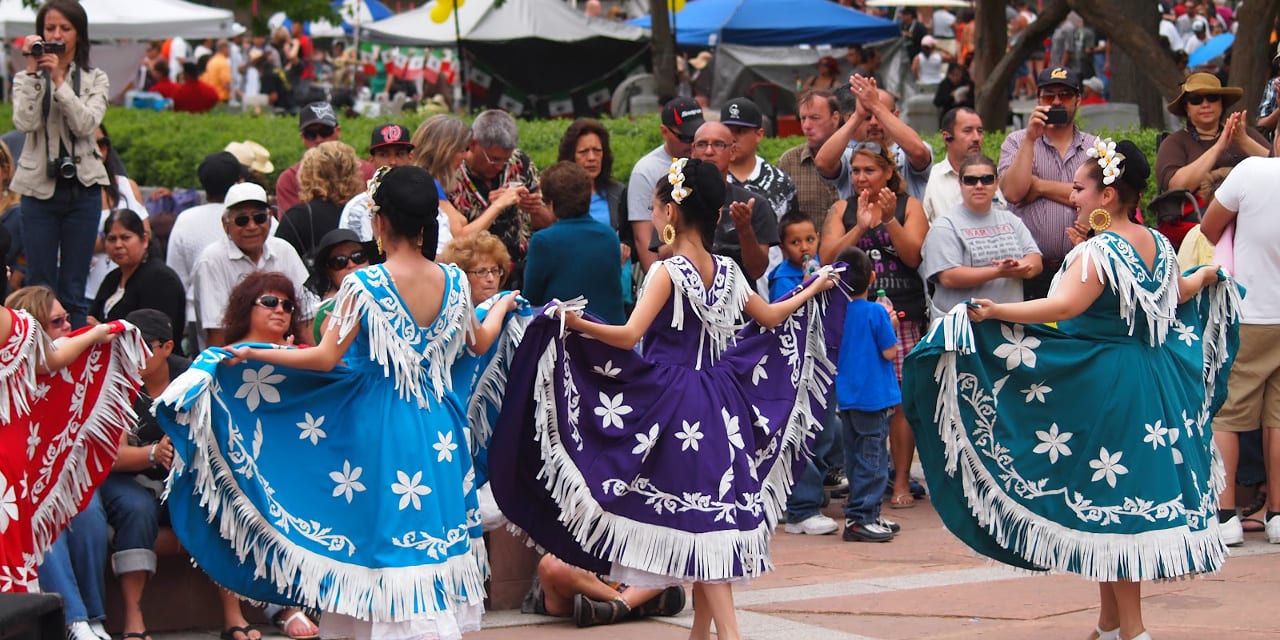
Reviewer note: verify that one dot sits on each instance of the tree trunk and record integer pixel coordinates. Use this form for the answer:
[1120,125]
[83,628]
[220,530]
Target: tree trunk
[993,94]
[1251,53]
[1142,69]
[664,51]
[990,38]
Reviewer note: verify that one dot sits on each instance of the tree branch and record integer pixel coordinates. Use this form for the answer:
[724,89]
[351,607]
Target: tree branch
[993,95]
[1139,43]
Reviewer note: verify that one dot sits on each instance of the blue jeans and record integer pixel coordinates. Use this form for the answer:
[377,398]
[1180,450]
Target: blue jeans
[134,512]
[58,236]
[866,461]
[806,496]
[75,566]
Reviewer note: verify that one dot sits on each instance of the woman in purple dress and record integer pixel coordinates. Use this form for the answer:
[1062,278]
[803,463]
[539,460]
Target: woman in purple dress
[671,464]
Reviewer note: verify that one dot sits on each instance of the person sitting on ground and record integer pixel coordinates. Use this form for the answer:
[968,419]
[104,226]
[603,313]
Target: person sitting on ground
[563,590]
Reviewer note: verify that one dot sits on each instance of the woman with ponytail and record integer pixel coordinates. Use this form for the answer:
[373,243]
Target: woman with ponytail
[673,464]
[379,527]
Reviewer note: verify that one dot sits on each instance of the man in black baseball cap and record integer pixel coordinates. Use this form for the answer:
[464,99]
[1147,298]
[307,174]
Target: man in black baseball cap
[391,146]
[746,122]
[681,118]
[1038,165]
[317,124]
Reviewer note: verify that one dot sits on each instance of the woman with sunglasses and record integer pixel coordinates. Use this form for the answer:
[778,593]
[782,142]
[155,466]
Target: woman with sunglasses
[121,193]
[978,250]
[1210,139]
[384,539]
[138,281]
[889,226]
[339,253]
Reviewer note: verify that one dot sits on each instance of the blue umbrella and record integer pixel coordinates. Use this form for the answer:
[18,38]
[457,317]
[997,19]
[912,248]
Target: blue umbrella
[779,23]
[1211,49]
[351,12]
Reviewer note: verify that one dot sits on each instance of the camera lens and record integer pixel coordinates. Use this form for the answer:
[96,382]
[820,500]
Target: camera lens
[66,169]
[37,49]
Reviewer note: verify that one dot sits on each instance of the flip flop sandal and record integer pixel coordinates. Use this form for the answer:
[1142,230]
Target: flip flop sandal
[230,633]
[902,501]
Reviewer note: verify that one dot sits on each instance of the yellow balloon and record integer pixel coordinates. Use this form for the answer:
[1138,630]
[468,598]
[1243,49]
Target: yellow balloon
[440,13]
[458,4]
[447,3]
[675,5]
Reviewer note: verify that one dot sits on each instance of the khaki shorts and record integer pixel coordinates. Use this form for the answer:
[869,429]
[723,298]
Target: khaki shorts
[1253,390]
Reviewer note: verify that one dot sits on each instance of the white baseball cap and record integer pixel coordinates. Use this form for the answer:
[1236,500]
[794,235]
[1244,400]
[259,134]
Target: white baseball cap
[245,192]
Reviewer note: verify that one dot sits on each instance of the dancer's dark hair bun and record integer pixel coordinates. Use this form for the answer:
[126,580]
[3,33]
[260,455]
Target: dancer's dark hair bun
[701,207]
[406,198]
[1136,168]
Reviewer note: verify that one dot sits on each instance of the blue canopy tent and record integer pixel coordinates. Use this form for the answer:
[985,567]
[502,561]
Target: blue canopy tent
[777,23]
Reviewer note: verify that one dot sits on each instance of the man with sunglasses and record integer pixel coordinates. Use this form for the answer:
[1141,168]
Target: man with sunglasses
[317,123]
[681,118]
[1037,166]
[248,246]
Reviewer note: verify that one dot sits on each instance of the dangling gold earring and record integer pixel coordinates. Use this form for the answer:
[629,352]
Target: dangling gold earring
[378,241]
[668,234]
[1099,220]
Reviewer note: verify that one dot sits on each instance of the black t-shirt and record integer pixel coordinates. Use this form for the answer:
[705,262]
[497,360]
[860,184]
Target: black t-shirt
[902,284]
[149,431]
[304,224]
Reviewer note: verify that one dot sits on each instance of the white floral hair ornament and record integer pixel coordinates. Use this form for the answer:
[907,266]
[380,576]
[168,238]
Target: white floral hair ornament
[675,176]
[1104,149]
[371,187]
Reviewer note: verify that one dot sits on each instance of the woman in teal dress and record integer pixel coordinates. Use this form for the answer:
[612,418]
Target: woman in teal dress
[1085,448]
[378,526]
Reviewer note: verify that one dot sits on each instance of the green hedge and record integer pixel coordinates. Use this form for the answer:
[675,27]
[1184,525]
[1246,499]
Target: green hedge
[164,148]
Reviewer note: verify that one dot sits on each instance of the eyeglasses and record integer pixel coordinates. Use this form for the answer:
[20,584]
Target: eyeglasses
[1196,99]
[260,218]
[339,262]
[271,302]
[104,141]
[491,271]
[490,160]
[1049,97]
[986,179]
[322,131]
[59,321]
[718,145]
[684,139]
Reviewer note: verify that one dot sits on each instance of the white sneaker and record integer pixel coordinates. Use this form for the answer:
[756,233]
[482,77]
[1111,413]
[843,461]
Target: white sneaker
[1273,530]
[80,630]
[1232,531]
[99,630]
[815,525]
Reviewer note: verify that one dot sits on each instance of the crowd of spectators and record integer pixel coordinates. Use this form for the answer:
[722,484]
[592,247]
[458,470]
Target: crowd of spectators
[262,262]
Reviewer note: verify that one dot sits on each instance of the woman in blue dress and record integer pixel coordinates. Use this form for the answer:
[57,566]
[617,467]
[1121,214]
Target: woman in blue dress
[1085,448]
[379,528]
[673,464]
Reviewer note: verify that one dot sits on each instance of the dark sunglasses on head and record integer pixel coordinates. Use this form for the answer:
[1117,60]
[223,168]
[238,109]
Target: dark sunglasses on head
[271,302]
[987,179]
[104,141]
[260,218]
[339,262]
[680,136]
[1196,99]
[318,132]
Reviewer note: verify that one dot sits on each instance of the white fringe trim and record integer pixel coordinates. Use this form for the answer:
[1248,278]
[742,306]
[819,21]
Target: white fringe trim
[491,384]
[662,550]
[399,358]
[382,595]
[1224,313]
[109,418]
[18,376]
[1160,306]
[720,319]
[1154,555]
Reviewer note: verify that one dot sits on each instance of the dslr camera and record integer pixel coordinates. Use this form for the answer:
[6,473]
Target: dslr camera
[61,167]
[41,48]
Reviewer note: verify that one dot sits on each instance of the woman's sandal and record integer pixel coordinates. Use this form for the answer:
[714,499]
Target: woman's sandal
[902,501]
[230,633]
[282,623]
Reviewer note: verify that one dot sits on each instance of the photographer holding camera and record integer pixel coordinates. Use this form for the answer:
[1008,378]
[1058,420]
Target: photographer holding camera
[1037,166]
[59,102]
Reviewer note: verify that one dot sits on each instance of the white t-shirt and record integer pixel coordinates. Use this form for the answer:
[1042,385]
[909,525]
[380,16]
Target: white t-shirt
[356,217]
[1252,191]
[943,23]
[644,177]
[931,67]
[178,52]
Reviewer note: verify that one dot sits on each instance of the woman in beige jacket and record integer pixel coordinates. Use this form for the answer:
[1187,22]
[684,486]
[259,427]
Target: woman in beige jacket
[59,102]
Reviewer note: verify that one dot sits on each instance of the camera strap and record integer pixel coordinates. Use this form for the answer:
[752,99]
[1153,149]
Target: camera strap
[47,105]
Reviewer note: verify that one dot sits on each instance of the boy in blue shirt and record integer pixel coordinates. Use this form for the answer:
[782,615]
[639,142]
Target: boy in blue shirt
[866,392]
[799,245]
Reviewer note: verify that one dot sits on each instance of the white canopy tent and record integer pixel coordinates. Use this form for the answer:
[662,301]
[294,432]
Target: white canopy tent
[131,20]
[481,21]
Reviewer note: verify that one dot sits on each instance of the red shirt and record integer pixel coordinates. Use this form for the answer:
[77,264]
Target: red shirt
[165,87]
[195,97]
[1093,100]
